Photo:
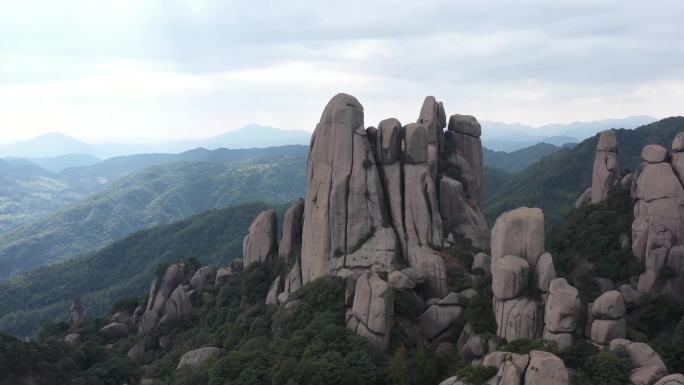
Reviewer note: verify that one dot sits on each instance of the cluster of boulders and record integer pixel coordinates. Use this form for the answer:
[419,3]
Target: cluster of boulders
[658,227]
[607,315]
[377,199]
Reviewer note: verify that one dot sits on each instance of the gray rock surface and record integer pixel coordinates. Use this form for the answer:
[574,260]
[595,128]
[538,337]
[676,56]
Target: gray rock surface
[195,358]
[467,132]
[432,120]
[545,272]
[604,331]
[654,153]
[519,232]
[461,216]
[518,318]
[389,158]
[546,369]
[203,278]
[76,311]
[510,277]
[115,330]
[290,246]
[272,296]
[261,242]
[345,205]
[563,307]
[610,305]
[672,379]
[373,309]
[606,169]
[222,276]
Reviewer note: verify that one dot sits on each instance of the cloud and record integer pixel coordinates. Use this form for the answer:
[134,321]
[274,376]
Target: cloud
[189,68]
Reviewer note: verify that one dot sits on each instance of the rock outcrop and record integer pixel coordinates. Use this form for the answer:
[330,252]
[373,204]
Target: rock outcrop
[561,316]
[290,246]
[517,248]
[372,311]
[466,132]
[169,297]
[606,169]
[658,227]
[76,311]
[460,216]
[261,243]
[608,313]
[195,358]
[345,217]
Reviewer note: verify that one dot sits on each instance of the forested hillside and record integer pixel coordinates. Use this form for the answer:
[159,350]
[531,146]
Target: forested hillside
[122,269]
[158,195]
[555,182]
[520,159]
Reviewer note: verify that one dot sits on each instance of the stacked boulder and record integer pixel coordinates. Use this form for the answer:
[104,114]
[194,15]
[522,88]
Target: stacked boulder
[562,312]
[373,308]
[171,296]
[648,366]
[658,227]
[608,318]
[517,245]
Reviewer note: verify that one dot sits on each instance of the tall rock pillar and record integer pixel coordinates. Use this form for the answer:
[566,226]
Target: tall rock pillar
[606,170]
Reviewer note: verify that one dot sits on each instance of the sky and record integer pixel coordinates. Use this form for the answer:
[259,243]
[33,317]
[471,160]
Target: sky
[150,70]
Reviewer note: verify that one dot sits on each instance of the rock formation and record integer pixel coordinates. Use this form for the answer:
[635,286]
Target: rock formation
[195,358]
[76,311]
[170,297]
[606,170]
[561,316]
[371,314]
[375,196]
[517,247]
[608,313]
[658,227]
[261,243]
[290,246]
[345,217]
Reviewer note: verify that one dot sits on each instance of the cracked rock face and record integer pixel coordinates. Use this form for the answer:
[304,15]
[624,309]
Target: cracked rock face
[519,232]
[606,168]
[344,206]
[261,243]
[468,145]
[658,226]
[372,311]
[290,246]
[459,216]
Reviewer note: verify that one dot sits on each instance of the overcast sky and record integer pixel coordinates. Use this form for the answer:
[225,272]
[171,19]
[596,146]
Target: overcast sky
[167,69]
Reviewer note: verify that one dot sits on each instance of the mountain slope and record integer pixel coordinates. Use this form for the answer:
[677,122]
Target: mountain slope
[59,163]
[28,191]
[555,182]
[122,269]
[517,160]
[157,195]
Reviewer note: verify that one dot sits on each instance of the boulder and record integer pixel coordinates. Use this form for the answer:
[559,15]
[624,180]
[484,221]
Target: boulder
[399,280]
[436,319]
[459,216]
[467,132]
[562,341]
[604,331]
[510,277]
[115,330]
[642,355]
[546,369]
[562,307]
[237,264]
[497,358]
[372,311]
[203,278]
[606,170]
[137,352]
[72,338]
[617,343]
[519,232]
[672,379]
[261,242]
[430,266]
[179,305]
[646,375]
[222,276]
[545,272]
[626,181]
[654,153]
[518,318]
[610,305]
[345,207]
[290,246]
[631,297]
[195,358]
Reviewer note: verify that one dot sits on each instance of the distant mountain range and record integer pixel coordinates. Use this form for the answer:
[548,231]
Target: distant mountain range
[56,145]
[507,137]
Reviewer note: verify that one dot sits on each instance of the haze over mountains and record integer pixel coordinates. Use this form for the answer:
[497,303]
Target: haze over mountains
[56,151]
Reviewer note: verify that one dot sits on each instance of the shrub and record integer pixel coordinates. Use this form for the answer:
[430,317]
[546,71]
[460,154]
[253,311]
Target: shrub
[605,368]
[525,345]
[480,312]
[476,374]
